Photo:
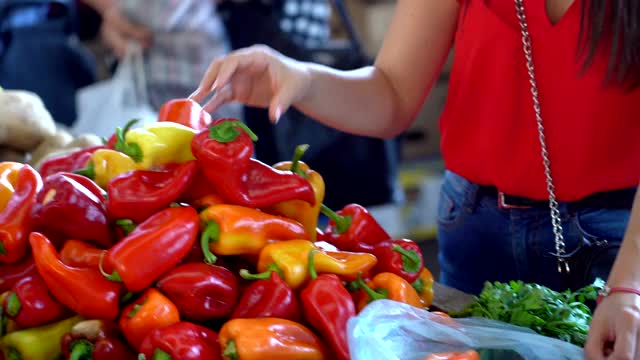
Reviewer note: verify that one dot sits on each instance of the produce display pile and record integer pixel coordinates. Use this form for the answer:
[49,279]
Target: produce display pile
[169,241]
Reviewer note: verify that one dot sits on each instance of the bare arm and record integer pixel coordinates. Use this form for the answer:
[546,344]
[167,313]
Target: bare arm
[383,100]
[626,270]
[379,100]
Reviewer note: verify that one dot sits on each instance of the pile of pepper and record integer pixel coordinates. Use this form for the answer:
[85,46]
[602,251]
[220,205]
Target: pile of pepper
[171,242]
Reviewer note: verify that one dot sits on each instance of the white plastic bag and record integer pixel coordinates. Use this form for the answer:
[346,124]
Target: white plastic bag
[111,103]
[389,330]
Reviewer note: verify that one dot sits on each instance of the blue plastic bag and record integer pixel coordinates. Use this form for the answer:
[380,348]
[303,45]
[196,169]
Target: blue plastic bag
[389,330]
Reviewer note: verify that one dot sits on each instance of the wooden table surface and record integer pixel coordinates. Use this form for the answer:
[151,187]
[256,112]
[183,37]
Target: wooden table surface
[448,299]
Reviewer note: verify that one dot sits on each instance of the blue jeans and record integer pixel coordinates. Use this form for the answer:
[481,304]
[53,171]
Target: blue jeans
[478,241]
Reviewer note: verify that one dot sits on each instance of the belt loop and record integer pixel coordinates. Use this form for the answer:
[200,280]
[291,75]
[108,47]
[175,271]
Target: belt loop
[473,197]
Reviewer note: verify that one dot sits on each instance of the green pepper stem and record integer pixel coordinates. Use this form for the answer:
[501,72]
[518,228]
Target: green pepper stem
[210,234]
[410,258]
[88,171]
[297,155]
[3,251]
[14,354]
[230,351]
[81,350]
[418,285]
[343,223]
[226,131]
[134,311]
[373,295]
[13,304]
[126,225]
[125,299]
[245,274]
[141,357]
[312,266]
[132,149]
[161,355]
[115,277]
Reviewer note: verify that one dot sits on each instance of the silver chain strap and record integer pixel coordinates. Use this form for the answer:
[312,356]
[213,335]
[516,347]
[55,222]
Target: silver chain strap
[563,265]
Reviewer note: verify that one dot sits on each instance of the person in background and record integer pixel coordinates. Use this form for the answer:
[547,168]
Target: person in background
[525,128]
[40,51]
[179,38]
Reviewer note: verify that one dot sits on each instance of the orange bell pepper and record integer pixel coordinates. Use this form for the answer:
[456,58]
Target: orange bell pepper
[300,210]
[466,355]
[291,259]
[8,180]
[424,286]
[388,286]
[239,230]
[269,338]
[150,312]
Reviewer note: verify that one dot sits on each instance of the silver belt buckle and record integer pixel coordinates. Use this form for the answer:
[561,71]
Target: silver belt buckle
[502,203]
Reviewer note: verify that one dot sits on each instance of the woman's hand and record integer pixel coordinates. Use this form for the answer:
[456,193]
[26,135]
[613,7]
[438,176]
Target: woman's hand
[117,31]
[615,329]
[256,76]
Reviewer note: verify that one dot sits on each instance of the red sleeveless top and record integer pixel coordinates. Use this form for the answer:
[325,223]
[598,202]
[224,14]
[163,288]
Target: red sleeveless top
[489,132]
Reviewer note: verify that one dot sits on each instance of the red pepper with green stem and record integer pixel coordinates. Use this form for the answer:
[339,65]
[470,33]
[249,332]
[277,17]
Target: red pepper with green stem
[69,162]
[30,304]
[138,194]
[401,257]
[154,247]
[95,340]
[200,291]
[185,112]
[269,297]
[85,291]
[10,274]
[224,153]
[328,306]
[353,229]
[181,341]
[15,222]
[72,206]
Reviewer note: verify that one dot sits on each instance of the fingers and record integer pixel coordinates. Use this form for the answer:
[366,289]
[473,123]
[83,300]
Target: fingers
[206,84]
[219,98]
[626,336]
[281,102]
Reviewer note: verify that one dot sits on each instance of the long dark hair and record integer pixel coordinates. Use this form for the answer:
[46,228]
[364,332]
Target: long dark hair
[613,26]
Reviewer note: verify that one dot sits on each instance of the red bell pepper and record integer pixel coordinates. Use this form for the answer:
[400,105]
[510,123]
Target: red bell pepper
[95,340]
[85,291]
[15,222]
[69,162]
[154,247]
[149,312]
[10,274]
[224,152]
[328,306]
[181,341]
[30,304]
[138,194]
[201,291]
[185,112]
[266,298]
[72,206]
[353,229]
[401,257]
[200,187]
[76,253]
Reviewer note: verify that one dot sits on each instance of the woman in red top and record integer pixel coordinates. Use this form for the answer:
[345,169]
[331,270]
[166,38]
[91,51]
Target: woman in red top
[495,222]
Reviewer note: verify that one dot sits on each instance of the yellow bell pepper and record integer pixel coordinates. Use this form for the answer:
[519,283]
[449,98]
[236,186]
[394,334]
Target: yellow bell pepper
[424,287]
[8,179]
[157,144]
[106,164]
[39,343]
[300,210]
[291,260]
